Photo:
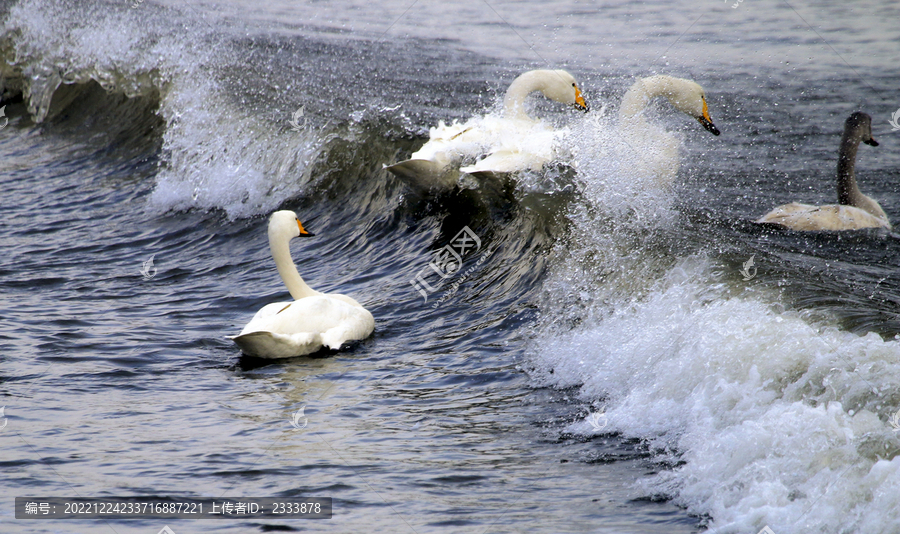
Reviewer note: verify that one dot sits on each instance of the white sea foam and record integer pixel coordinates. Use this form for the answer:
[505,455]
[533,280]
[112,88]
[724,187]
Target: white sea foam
[226,158]
[217,153]
[777,421]
[769,417]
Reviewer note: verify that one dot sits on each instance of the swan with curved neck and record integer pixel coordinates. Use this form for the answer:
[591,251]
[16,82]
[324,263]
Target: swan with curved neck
[556,85]
[854,210]
[313,320]
[652,155]
[685,95]
[512,142]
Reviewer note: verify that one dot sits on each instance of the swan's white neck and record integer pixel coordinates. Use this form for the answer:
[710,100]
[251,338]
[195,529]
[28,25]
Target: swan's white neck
[514,101]
[642,92]
[281,253]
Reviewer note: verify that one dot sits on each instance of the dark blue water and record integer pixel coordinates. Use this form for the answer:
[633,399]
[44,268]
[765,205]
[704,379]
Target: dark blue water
[162,130]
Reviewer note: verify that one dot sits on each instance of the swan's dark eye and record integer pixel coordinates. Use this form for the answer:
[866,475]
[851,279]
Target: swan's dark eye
[573,84]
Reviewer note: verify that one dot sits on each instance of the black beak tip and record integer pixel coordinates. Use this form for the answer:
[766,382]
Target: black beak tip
[871,142]
[711,128]
[307,234]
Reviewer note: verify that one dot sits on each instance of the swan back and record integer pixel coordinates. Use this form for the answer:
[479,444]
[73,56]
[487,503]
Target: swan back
[283,330]
[835,217]
[557,85]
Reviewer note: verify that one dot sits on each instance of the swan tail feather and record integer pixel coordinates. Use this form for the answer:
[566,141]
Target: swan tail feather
[360,328]
[424,175]
[271,345]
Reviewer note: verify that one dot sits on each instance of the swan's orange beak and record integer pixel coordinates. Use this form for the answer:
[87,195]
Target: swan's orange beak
[303,232]
[706,121]
[579,100]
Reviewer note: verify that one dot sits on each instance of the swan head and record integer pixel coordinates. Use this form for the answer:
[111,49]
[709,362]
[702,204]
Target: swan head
[284,225]
[686,95]
[560,86]
[556,85]
[860,125]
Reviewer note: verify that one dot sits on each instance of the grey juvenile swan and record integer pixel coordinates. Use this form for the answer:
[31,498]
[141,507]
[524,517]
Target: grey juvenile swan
[854,209]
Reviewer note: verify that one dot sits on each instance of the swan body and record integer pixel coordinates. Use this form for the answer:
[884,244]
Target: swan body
[854,210]
[313,320]
[806,217]
[507,143]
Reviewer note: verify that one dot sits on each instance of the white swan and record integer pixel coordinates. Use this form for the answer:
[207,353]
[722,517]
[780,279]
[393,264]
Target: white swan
[654,151]
[511,142]
[312,320]
[686,95]
[854,209]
